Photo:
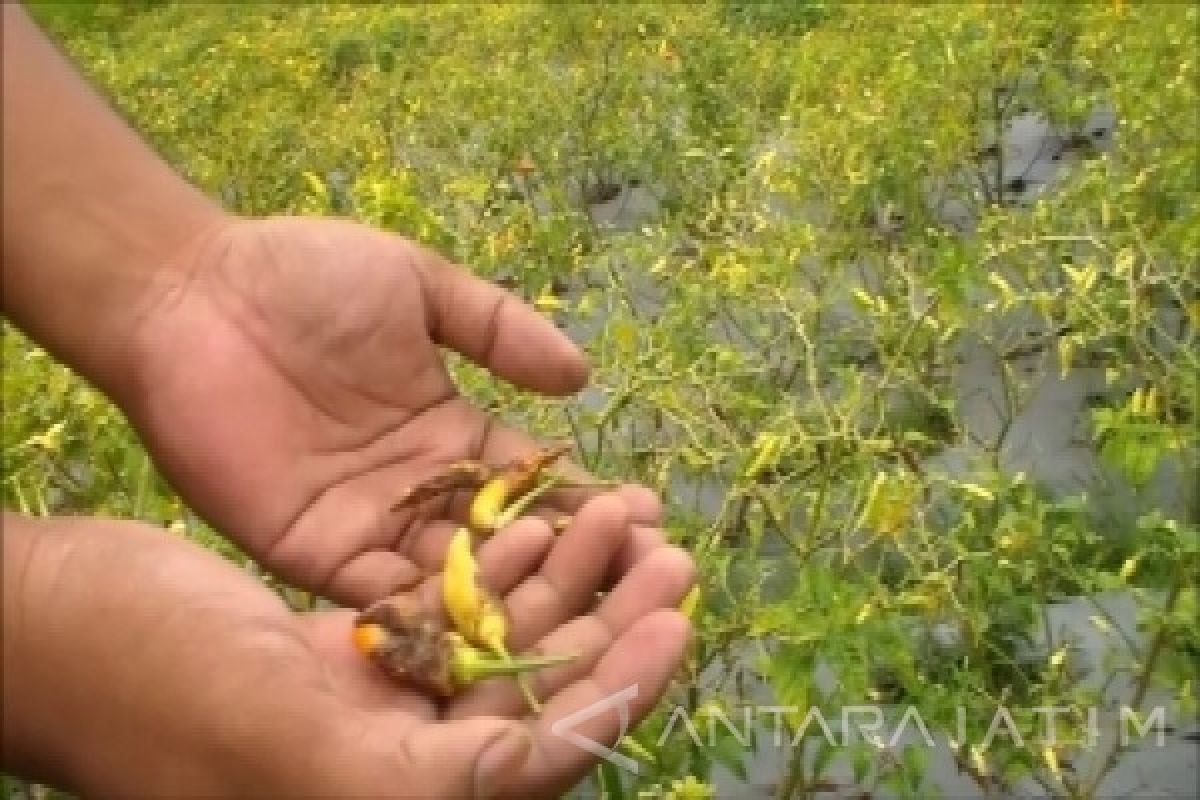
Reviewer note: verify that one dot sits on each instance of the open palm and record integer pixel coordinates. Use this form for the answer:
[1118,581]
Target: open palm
[200,664]
[291,384]
[630,640]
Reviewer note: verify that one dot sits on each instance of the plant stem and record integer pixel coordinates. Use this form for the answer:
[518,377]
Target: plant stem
[1088,791]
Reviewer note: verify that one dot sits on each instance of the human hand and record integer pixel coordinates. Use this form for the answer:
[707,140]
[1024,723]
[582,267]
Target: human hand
[289,382]
[285,374]
[139,664]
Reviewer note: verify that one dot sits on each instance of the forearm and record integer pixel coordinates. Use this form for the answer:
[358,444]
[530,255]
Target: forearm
[21,740]
[91,215]
[137,663]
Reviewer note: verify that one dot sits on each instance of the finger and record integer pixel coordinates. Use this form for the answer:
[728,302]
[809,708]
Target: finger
[633,673]
[497,330]
[371,576]
[572,574]
[641,542]
[657,583]
[426,546]
[645,507]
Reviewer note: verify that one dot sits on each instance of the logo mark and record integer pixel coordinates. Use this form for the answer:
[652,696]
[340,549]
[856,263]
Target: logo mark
[565,727]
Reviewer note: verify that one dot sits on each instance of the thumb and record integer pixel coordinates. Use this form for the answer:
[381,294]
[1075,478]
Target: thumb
[475,758]
[497,330]
[471,758]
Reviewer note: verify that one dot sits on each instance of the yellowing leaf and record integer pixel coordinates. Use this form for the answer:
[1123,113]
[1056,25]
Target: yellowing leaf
[767,449]
[547,301]
[981,765]
[691,601]
[50,439]
[690,788]
[1051,758]
[1066,354]
[1007,296]
[635,748]
[316,185]
[1123,263]
[1128,568]
[864,299]
[694,457]
[1136,403]
[1150,402]
[586,304]
[1082,278]
[1193,313]
[889,504]
[978,491]
[1059,657]
[625,335]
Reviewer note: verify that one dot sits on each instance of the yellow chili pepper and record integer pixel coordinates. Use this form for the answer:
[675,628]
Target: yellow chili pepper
[487,504]
[476,615]
[502,498]
[690,602]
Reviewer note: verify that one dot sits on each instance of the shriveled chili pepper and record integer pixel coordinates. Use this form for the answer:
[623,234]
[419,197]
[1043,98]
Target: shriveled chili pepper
[411,645]
[458,475]
[506,488]
[503,493]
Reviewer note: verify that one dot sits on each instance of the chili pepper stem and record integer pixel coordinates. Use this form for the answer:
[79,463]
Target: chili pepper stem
[481,668]
[472,665]
[563,483]
[518,506]
[531,698]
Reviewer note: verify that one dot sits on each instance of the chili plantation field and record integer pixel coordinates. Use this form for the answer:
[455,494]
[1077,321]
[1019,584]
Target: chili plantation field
[896,307]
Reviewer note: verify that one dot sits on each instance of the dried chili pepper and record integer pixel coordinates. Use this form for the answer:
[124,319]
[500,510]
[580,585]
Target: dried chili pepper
[412,645]
[502,493]
[507,488]
[458,475]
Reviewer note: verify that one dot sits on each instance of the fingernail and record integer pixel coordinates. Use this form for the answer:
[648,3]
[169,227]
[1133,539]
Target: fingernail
[499,761]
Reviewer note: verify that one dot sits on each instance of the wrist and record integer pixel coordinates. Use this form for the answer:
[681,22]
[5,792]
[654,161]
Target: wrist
[84,296]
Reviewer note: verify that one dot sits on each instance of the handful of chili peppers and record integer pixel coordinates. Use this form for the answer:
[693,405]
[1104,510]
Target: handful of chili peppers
[414,645]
